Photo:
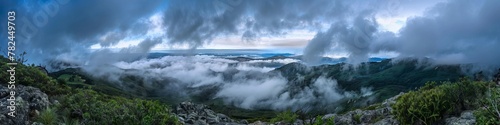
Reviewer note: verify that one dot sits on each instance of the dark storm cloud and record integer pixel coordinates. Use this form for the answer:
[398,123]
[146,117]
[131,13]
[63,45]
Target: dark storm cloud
[455,32]
[52,27]
[353,37]
[452,32]
[198,22]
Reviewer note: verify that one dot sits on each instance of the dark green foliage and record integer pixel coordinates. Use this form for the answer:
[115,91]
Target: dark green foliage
[489,113]
[32,76]
[95,108]
[103,109]
[286,116]
[372,107]
[431,103]
[386,78]
[48,117]
[218,105]
[357,118]
[77,78]
[319,121]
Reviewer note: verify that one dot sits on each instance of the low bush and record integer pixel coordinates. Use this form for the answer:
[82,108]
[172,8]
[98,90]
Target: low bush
[286,116]
[98,108]
[48,117]
[433,102]
[357,118]
[489,113]
[32,76]
[319,121]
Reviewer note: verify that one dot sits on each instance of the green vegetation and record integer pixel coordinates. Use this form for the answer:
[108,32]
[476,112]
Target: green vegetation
[286,116]
[98,108]
[489,114]
[48,117]
[386,78]
[72,80]
[319,121]
[218,106]
[83,105]
[76,78]
[33,76]
[432,102]
[372,107]
[357,118]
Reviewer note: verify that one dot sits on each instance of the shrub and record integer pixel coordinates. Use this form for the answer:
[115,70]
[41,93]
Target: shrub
[69,121]
[102,109]
[357,118]
[431,103]
[286,116]
[489,114]
[319,121]
[47,117]
[330,121]
[33,76]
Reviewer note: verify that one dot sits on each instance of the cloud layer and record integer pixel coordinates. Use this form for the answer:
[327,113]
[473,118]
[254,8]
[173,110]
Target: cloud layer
[451,32]
[241,84]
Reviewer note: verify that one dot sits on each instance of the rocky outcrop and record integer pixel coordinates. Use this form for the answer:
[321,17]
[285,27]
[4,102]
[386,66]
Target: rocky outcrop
[199,114]
[466,118]
[28,100]
[380,115]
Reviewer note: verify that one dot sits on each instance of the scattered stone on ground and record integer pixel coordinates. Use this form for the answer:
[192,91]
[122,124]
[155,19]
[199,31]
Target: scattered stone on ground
[29,102]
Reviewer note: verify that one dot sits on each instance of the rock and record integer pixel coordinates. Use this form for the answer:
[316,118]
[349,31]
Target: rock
[36,123]
[298,122]
[244,122]
[259,123]
[198,114]
[466,118]
[387,121]
[381,115]
[29,100]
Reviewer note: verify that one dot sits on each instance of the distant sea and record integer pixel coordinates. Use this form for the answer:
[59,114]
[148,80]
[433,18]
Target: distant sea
[224,53]
[258,54]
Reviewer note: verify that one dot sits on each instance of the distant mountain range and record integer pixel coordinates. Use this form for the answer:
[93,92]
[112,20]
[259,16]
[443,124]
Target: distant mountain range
[386,78]
[248,56]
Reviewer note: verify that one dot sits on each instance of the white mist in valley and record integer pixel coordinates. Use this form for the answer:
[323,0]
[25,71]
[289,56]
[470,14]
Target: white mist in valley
[248,84]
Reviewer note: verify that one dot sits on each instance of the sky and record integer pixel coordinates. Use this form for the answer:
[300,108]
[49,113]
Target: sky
[392,20]
[454,31]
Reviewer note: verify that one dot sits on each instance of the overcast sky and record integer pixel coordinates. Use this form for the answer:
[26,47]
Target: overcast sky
[456,31]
